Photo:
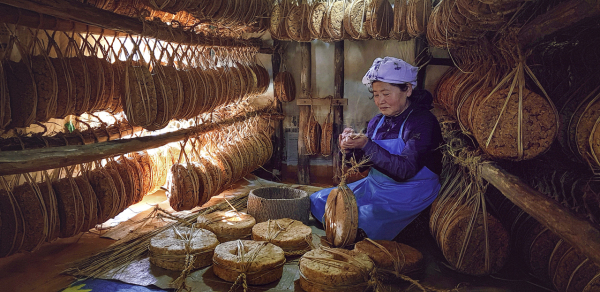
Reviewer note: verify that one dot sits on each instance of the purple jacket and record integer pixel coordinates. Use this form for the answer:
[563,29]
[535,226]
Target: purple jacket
[422,135]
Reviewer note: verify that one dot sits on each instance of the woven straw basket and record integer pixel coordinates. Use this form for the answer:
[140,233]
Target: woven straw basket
[278,202]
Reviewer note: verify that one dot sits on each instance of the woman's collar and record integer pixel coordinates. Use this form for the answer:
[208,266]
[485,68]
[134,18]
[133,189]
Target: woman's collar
[403,111]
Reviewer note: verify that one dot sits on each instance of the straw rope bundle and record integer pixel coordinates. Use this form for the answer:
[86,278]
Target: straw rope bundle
[29,213]
[248,262]
[571,271]
[472,240]
[164,99]
[379,19]
[160,169]
[285,86]
[140,96]
[70,207]
[279,15]
[341,212]
[455,24]
[400,28]
[33,209]
[297,23]
[341,216]
[5,113]
[106,192]
[519,124]
[355,19]
[218,164]
[228,225]
[579,127]
[51,206]
[13,223]
[137,173]
[335,269]
[334,20]
[417,16]
[181,248]
[184,191]
[23,99]
[292,236]
[123,252]
[121,200]
[327,136]
[546,255]
[391,257]
[312,138]
[498,106]
[90,202]
[96,77]
[316,19]
[46,82]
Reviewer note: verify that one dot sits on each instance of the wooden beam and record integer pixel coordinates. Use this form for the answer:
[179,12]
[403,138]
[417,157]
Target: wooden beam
[337,110]
[305,92]
[76,11]
[421,48]
[14,162]
[28,18]
[578,232]
[89,136]
[561,16]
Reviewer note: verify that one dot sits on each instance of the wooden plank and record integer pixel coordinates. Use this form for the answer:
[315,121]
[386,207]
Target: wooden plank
[322,101]
[76,11]
[305,92]
[578,232]
[338,110]
[561,16]
[14,162]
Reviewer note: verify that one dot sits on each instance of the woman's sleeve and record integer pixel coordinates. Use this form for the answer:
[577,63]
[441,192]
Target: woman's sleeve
[421,139]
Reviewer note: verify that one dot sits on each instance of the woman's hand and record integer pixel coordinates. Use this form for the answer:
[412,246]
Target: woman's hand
[345,136]
[351,140]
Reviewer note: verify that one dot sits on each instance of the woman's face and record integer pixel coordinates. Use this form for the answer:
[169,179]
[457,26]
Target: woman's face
[389,98]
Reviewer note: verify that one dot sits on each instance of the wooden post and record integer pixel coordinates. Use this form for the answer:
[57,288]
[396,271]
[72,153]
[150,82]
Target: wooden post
[420,47]
[303,158]
[578,232]
[278,145]
[338,110]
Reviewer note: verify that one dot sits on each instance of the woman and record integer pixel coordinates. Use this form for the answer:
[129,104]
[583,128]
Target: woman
[402,144]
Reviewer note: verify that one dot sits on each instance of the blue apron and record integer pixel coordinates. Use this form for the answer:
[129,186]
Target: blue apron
[386,206]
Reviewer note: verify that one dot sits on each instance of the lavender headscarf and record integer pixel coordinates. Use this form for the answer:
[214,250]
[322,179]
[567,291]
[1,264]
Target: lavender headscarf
[391,70]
